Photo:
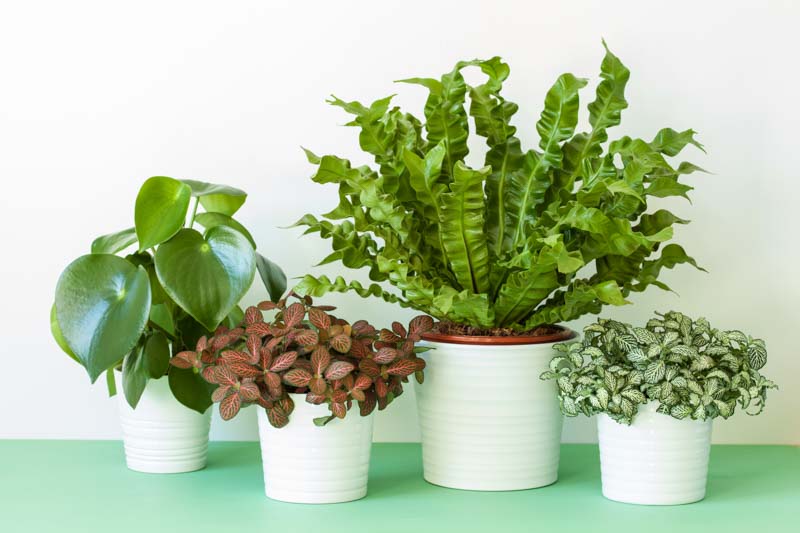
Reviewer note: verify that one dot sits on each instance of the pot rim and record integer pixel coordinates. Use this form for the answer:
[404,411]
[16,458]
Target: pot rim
[510,340]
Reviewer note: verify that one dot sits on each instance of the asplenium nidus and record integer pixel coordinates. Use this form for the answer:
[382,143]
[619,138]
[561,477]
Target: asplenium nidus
[535,236]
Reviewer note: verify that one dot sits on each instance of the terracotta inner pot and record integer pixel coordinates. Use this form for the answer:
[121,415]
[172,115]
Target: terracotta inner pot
[564,334]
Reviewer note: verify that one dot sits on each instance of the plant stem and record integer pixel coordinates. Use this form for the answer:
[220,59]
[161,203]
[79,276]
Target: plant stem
[194,211]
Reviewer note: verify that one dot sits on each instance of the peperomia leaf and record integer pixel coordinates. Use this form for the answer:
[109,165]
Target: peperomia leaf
[206,275]
[102,306]
[134,376]
[161,208]
[55,330]
[114,242]
[688,368]
[536,236]
[155,355]
[217,198]
[210,219]
[272,276]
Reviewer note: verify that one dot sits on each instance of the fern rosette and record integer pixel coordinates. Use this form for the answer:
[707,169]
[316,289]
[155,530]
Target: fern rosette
[533,237]
[691,369]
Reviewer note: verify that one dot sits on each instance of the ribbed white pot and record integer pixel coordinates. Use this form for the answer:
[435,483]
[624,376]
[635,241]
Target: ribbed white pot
[488,422]
[657,460]
[304,463]
[162,436]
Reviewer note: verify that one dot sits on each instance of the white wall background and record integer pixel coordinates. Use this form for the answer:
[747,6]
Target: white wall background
[97,96]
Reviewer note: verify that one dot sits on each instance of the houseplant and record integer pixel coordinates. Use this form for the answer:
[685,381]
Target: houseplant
[657,390]
[306,374]
[131,312]
[499,254]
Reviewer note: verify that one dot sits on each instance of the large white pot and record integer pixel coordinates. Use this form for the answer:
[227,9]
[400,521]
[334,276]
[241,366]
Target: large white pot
[488,422]
[162,436]
[657,460]
[305,463]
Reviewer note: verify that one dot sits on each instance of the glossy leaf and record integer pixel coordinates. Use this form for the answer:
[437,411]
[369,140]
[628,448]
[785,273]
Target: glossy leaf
[161,317]
[156,355]
[190,389]
[114,242]
[161,208]
[102,306]
[206,275]
[210,219]
[217,198]
[134,376]
[55,331]
[272,276]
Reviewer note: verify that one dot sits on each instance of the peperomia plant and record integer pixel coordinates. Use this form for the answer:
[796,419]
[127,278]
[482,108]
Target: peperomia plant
[178,285]
[505,245]
[689,368]
[306,350]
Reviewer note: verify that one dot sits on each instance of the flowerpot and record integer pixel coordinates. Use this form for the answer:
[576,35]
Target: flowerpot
[657,460]
[488,422]
[162,436]
[305,463]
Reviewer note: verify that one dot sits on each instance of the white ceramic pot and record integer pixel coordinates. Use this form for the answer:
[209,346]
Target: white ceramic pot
[488,422]
[162,436]
[657,460]
[304,463]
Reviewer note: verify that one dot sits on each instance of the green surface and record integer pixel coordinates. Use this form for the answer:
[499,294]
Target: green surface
[84,486]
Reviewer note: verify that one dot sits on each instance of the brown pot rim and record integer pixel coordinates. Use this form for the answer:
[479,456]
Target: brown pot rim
[506,340]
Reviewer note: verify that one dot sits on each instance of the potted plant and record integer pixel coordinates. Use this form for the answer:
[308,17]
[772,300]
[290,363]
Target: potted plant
[500,254]
[132,312]
[306,368]
[657,390]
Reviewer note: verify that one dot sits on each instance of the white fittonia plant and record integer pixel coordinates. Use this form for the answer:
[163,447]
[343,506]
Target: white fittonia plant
[691,369]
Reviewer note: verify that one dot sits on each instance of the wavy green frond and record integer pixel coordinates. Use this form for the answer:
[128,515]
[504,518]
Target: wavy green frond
[506,245]
[463,228]
[581,152]
[556,124]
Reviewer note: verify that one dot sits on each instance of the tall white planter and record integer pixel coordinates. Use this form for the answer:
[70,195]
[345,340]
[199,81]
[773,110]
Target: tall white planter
[488,422]
[657,460]
[162,436]
[304,463]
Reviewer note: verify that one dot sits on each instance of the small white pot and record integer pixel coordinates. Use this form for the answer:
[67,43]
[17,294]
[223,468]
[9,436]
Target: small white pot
[657,460]
[305,463]
[162,436]
[488,422]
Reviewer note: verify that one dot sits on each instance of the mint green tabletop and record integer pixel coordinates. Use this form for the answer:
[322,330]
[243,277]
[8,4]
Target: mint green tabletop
[84,486]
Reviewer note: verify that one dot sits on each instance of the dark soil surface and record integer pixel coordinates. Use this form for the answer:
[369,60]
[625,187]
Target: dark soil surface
[450,328]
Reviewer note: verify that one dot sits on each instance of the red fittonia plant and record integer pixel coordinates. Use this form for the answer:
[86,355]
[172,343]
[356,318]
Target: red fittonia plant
[306,350]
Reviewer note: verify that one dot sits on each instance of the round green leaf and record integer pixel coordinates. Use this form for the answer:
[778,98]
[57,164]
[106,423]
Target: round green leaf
[210,220]
[206,275]
[190,389]
[156,355]
[161,316]
[114,242]
[134,376]
[55,330]
[102,305]
[217,198]
[145,260]
[273,277]
[161,208]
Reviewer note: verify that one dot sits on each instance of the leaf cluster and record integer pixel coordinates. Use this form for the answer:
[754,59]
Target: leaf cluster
[691,369]
[115,309]
[306,350]
[507,244]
